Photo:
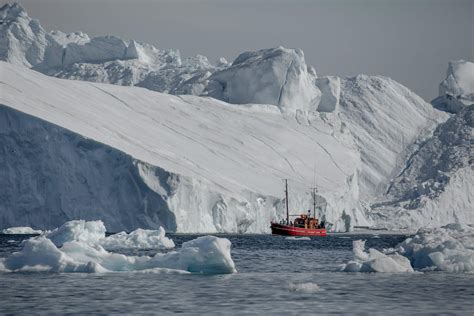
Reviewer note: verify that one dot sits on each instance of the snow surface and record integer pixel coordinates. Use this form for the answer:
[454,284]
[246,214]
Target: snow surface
[80,253]
[209,176]
[21,231]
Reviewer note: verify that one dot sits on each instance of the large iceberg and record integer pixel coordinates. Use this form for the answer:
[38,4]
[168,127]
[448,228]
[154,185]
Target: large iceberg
[137,158]
[80,251]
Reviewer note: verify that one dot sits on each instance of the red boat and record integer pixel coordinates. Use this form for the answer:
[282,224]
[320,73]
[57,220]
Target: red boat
[288,230]
[303,225]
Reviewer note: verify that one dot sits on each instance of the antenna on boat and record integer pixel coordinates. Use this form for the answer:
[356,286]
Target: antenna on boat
[286,202]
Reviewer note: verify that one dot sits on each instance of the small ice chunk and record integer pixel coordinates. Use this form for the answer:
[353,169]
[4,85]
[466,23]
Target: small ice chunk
[375,261]
[20,231]
[307,288]
[298,238]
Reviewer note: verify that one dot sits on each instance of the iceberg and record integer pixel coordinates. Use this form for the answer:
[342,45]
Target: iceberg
[21,231]
[93,233]
[277,76]
[79,253]
[449,248]
[375,261]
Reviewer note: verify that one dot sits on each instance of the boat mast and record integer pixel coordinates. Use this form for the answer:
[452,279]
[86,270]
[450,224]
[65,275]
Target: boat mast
[314,202]
[286,202]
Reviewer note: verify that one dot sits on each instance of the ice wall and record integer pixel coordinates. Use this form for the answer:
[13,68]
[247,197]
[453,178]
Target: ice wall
[137,158]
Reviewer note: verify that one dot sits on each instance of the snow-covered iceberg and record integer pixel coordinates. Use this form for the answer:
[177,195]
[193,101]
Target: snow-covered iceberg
[81,252]
[21,231]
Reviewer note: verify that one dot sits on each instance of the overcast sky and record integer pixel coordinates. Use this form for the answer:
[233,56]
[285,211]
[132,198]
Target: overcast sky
[408,40]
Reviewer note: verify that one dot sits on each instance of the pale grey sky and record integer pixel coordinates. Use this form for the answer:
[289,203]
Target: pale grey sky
[408,40]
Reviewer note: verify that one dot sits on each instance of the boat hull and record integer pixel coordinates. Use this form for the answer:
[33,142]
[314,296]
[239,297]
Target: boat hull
[287,230]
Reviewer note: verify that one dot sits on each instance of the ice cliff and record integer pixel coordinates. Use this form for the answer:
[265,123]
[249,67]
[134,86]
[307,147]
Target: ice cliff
[137,158]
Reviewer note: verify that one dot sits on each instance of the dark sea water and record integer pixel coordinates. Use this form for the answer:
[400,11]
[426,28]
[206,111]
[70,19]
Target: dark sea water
[271,270]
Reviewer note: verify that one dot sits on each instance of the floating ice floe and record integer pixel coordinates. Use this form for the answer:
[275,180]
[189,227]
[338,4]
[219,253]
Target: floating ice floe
[375,261]
[20,231]
[307,288]
[449,248]
[93,232]
[76,247]
[298,238]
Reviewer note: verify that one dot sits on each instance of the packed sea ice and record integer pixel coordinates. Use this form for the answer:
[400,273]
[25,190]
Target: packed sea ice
[449,248]
[375,261]
[76,247]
